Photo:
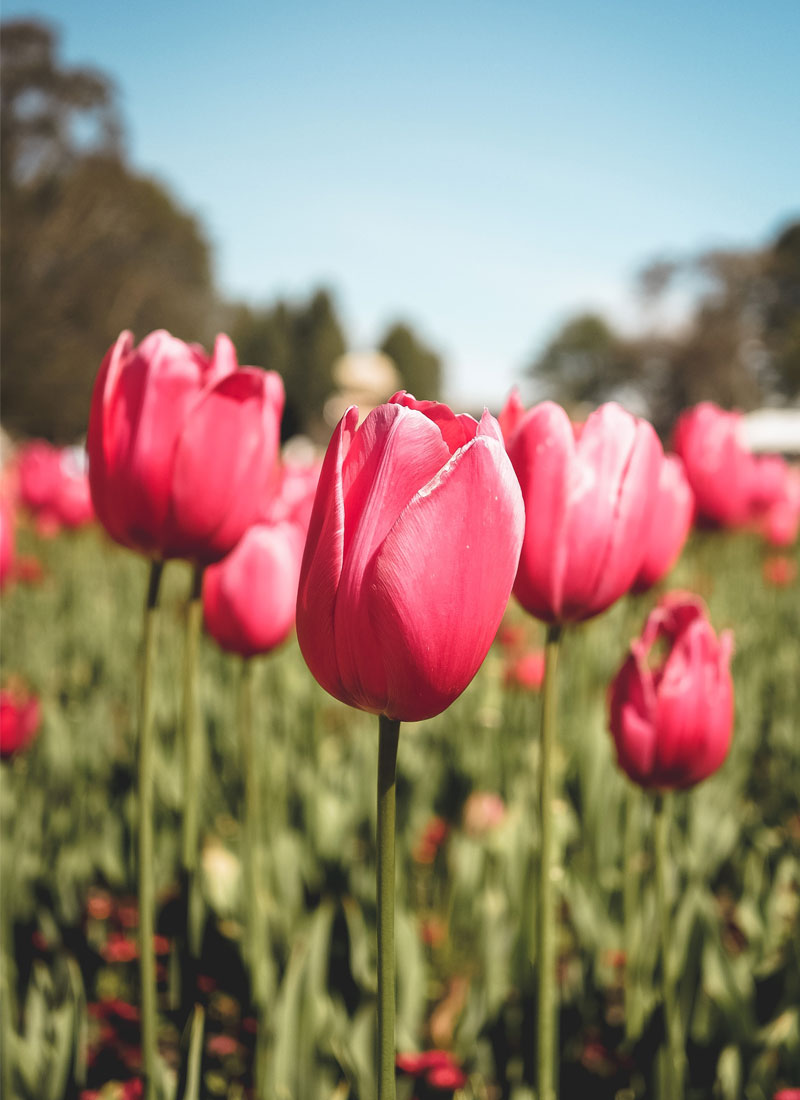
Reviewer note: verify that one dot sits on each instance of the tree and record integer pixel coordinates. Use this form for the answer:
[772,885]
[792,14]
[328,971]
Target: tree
[301,342]
[418,365]
[87,247]
[586,362]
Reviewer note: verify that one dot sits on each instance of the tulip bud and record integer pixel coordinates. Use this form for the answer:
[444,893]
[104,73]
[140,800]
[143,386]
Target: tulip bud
[411,553]
[672,717]
[672,521]
[589,497]
[182,447]
[719,467]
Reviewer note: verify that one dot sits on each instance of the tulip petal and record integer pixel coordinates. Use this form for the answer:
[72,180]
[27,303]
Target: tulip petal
[223,462]
[440,581]
[249,597]
[457,428]
[322,563]
[541,451]
[396,451]
[612,496]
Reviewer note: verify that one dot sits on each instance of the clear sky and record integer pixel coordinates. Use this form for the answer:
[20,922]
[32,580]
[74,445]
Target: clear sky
[483,169]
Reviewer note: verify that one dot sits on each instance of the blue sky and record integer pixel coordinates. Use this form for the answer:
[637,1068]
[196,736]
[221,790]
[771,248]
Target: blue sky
[480,169]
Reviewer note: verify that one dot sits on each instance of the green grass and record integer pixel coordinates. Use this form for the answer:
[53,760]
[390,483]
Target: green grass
[69,810]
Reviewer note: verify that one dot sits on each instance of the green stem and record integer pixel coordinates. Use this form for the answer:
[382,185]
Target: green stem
[389,733]
[674,1051]
[147,959]
[250,860]
[631,915]
[192,764]
[546,941]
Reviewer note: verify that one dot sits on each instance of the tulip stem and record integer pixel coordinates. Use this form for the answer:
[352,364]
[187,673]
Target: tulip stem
[389,733]
[250,858]
[546,953]
[192,767]
[674,1052]
[631,915]
[147,959]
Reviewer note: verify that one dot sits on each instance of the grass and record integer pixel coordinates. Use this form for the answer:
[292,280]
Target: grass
[465,912]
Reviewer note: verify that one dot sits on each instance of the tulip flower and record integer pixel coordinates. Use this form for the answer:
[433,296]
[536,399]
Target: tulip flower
[671,720]
[589,507]
[182,447]
[20,715]
[6,541]
[249,597]
[411,552]
[718,465]
[672,520]
[39,472]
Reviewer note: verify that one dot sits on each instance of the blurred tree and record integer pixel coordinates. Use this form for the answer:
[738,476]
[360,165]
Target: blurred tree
[586,362]
[739,344]
[300,341]
[87,248]
[419,366]
[782,314]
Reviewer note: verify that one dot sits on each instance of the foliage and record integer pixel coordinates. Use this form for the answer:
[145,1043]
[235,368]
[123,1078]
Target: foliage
[465,905]
[301,342]
[87,247]
[740,345]
[419,366]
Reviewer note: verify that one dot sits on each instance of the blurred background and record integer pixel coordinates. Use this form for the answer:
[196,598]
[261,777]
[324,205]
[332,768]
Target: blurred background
[590,202]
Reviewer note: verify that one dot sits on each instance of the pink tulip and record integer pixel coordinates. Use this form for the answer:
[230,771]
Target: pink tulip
[6,541]
[719,467]
[672,521]
[39,475]
[411,553]
[72,503]
[589,495]
[671,718]
[781,520]
[182,448]
[20,715]
[249,597]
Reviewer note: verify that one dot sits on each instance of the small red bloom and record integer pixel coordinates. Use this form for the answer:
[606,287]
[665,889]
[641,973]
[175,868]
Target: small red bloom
[20,715]
[780,571]
[525,672]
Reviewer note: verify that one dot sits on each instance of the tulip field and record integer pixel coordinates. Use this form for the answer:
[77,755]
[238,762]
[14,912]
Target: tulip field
[298,1010]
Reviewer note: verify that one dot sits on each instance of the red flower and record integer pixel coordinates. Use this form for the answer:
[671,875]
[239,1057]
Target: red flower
[410,557]
[719,467]
[672,520]
[672,721]
[780,571]
[182,448]
[20,716]
[119,949]
[432,838]
[526,672]
[589,499]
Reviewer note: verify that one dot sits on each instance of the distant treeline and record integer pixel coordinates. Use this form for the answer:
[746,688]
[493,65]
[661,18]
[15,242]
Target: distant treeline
[90,247]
